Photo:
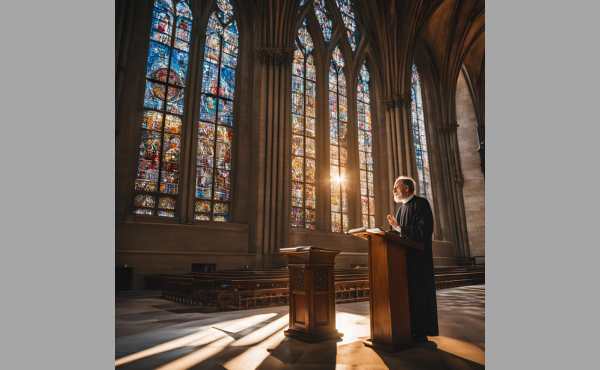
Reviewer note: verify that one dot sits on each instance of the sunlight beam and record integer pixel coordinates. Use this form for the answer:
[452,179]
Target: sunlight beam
[206,335]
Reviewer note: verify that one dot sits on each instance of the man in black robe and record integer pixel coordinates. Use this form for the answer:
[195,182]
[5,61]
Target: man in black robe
[414,221]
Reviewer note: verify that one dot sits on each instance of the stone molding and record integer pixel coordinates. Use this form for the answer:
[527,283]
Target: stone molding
[447,129]
[276,57]
[406,100]
[388,102]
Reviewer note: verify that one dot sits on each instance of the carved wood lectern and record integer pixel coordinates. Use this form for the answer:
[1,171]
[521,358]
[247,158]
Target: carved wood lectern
[388,298]
[312,294]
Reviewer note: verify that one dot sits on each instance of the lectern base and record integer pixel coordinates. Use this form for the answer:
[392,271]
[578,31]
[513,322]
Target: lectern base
[315,337]
[383,347]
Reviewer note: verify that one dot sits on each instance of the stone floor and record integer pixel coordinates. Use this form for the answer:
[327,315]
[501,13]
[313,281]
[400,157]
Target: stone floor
[152,333]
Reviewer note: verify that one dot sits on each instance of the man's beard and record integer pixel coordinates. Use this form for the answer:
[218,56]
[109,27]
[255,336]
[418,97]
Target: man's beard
[398,198]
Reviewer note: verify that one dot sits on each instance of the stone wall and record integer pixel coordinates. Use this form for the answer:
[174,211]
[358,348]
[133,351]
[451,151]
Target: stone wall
[474,181]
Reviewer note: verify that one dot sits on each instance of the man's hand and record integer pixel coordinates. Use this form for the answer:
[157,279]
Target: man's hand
[392,221]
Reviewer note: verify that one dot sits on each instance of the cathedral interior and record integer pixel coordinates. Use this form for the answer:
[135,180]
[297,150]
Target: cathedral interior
[225,112]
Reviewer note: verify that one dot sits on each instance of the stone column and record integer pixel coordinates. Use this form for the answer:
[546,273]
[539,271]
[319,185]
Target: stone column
[409,143]
[447,135]
[391,156]
[401,164]
[274,62]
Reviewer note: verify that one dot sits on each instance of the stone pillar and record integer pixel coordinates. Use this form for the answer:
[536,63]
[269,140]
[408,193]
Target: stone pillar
[274,63]
[409,145]
[391,156]
[447,135]
[311,294]
[401,138]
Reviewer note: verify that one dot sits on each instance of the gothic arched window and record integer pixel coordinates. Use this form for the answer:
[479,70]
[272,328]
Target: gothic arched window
[347,11]
[157,178]
[338,152]
[418,126]
[304,77]
[215,132]
[365,149]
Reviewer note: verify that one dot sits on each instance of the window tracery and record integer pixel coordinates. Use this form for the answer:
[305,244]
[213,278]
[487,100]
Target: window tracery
[157,176]
[304,77]
[215,127]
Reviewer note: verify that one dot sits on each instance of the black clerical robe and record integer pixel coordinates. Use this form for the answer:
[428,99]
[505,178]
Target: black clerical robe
[416,223]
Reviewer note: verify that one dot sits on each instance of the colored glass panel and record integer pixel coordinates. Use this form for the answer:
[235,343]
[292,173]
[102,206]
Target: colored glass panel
[305,38]
[184,10]
[298,65]
[226,10]
[338,59]
[143,211]
[166,203]
[144,200]
[323,18]
[338,153]
[303,131]
[419,137]
[175,100]
[160,143]
[208,108]
[225,112]
[220,209]
[158,61]
[311,70]
[162,27]
[202,206]
[365,149]
[160,37]
[152,120]
[210,78]
[179,64]
[215,139]
[346,8]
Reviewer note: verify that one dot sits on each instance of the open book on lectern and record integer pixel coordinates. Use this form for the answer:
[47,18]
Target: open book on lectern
[364,229]
[387,235]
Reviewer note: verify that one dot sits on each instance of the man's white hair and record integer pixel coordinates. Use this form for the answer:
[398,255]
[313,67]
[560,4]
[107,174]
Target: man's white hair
[407,181]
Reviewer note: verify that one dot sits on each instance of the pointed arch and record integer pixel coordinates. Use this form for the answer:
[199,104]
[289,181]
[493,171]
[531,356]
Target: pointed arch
[304,80]
[338,146]
[215,127]
[157,177]
[419,137]
[365,148]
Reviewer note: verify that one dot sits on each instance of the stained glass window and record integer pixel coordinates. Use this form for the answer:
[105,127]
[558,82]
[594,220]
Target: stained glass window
[215,128]
[347,11]
[324,20]
[157,178]
[418,126]
[365,149]
[338,148]
[303,132]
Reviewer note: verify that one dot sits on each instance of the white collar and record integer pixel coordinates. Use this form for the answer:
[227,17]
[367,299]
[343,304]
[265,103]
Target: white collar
[405,200]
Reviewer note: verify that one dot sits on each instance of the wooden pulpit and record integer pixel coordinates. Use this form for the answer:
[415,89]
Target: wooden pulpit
[312,294]
[388,297]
